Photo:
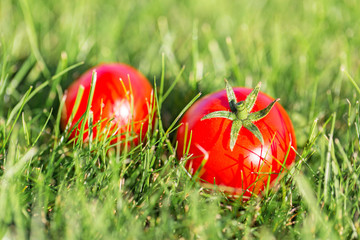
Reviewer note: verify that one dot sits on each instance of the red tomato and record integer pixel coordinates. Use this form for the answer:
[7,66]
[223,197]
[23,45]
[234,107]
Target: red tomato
[251,165]
[111,102]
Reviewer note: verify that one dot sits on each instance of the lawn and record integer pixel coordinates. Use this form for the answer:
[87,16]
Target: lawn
[304,52]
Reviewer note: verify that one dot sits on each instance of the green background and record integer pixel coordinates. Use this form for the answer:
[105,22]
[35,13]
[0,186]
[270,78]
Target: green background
[304,52]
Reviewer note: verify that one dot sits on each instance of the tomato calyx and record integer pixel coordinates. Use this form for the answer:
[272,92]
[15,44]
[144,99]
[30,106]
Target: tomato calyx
[240,114]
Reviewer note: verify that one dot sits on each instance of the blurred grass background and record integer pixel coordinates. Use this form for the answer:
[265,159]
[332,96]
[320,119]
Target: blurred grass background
[302,51]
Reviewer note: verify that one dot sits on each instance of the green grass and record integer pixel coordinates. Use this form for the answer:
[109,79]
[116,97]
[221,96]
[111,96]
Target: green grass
[305,52]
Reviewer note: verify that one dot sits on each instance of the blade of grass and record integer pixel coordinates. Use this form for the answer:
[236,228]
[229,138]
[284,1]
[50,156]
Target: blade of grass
[182,112]
[26,131]
[18,166]
[33,37]
[24,101]
[3,76]
[328,162]
[308,195]
[16,110]
[173,84]
[78,99]
[89,103]
[43,128]
[20,75]
[195,55]
[351,80]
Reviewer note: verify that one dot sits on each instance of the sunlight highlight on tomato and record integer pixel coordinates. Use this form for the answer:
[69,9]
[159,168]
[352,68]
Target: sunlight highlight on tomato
[122,102]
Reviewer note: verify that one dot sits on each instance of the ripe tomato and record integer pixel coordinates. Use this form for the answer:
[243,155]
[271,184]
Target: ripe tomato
[227,150]
[120,102]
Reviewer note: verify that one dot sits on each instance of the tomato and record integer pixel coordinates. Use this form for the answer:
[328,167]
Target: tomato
[241,141]
[121,102]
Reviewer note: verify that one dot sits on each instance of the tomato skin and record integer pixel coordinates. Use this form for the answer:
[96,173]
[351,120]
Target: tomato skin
[111,101]
[245,170]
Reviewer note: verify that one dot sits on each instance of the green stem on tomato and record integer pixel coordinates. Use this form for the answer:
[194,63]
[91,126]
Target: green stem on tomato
[240,114]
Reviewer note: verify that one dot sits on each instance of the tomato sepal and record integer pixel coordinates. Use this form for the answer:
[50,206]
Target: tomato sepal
[240,113]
